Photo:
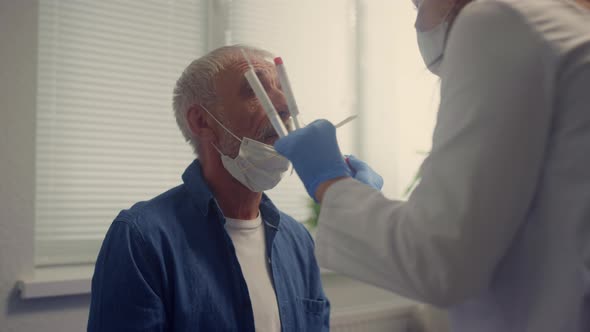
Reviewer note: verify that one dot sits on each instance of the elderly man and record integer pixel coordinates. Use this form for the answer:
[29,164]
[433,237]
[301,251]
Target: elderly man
[214,254]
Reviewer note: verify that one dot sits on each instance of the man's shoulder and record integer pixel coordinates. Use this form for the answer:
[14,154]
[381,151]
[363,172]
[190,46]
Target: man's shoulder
[294,229]
[290,222]
[155,213]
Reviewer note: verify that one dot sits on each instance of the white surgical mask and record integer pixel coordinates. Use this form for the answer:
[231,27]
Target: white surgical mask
[432,45]
[258,166]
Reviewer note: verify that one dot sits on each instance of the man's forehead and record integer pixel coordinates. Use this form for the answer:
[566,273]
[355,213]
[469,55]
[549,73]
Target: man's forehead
[233,74]
[259,64]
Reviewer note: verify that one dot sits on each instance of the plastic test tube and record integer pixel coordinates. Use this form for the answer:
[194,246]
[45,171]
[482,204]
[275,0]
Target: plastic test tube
[260,93]
[286,85]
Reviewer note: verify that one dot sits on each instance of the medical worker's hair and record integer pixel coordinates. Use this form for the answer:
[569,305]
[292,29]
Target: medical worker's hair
[195,85]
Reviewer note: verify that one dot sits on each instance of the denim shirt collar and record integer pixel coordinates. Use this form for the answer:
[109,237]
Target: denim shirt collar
[203,197]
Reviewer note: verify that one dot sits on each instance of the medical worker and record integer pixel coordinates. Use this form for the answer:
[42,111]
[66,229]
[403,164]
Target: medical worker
[498,229]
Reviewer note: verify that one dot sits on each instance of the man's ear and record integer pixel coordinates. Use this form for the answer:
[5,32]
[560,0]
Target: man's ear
[199,124]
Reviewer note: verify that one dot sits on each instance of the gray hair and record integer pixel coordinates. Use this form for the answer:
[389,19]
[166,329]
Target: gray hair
[195,85]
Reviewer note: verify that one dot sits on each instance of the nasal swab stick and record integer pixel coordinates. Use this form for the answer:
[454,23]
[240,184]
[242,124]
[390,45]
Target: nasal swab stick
[286,85]
[345,121]
[265,101]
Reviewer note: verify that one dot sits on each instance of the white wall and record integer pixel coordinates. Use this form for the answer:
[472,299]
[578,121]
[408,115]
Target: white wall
[401,95]
[18,48]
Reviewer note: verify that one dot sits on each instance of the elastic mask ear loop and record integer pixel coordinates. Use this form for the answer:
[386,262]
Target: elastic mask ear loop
[230,132]
[448,26]
[222,126]
[448,23]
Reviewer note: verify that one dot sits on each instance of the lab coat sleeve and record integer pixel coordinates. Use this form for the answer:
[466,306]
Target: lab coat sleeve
[442,245]
[124,291]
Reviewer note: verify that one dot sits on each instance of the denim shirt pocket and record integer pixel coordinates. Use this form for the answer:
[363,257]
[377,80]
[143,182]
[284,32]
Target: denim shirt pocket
[312,313]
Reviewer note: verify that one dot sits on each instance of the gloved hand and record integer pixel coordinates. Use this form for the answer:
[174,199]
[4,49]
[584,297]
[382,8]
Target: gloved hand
[364,173]
[314,153]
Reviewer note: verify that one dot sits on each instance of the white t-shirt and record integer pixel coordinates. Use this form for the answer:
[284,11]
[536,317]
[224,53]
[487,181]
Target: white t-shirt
[249,242]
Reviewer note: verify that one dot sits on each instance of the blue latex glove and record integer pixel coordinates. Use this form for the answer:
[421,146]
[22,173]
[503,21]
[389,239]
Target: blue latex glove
[314,153]
[364,173]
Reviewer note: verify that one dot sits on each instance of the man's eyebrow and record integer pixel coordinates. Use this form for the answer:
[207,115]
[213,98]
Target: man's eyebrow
[263,77]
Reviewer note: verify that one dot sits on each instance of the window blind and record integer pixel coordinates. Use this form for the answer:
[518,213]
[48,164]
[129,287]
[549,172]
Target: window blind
[106,136]
[316,39]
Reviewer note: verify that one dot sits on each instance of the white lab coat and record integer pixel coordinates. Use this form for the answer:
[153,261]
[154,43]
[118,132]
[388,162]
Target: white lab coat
[498,230]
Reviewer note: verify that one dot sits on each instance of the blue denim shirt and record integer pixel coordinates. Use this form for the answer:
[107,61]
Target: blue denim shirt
[168,265]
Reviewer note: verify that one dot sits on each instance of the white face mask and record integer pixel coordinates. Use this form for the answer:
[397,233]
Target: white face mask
[257,166]
[432,45]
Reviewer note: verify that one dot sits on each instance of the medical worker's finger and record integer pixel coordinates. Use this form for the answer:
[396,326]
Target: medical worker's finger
[364,173]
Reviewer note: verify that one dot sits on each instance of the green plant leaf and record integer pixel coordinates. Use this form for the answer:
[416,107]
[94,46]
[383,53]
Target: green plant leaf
[312,222]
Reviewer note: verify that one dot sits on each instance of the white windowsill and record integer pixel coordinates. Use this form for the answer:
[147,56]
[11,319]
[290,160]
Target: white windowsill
[407,313]
[66,281]
[57,281]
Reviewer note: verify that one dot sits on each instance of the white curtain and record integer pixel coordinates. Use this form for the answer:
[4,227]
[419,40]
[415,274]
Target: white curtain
[106,135]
